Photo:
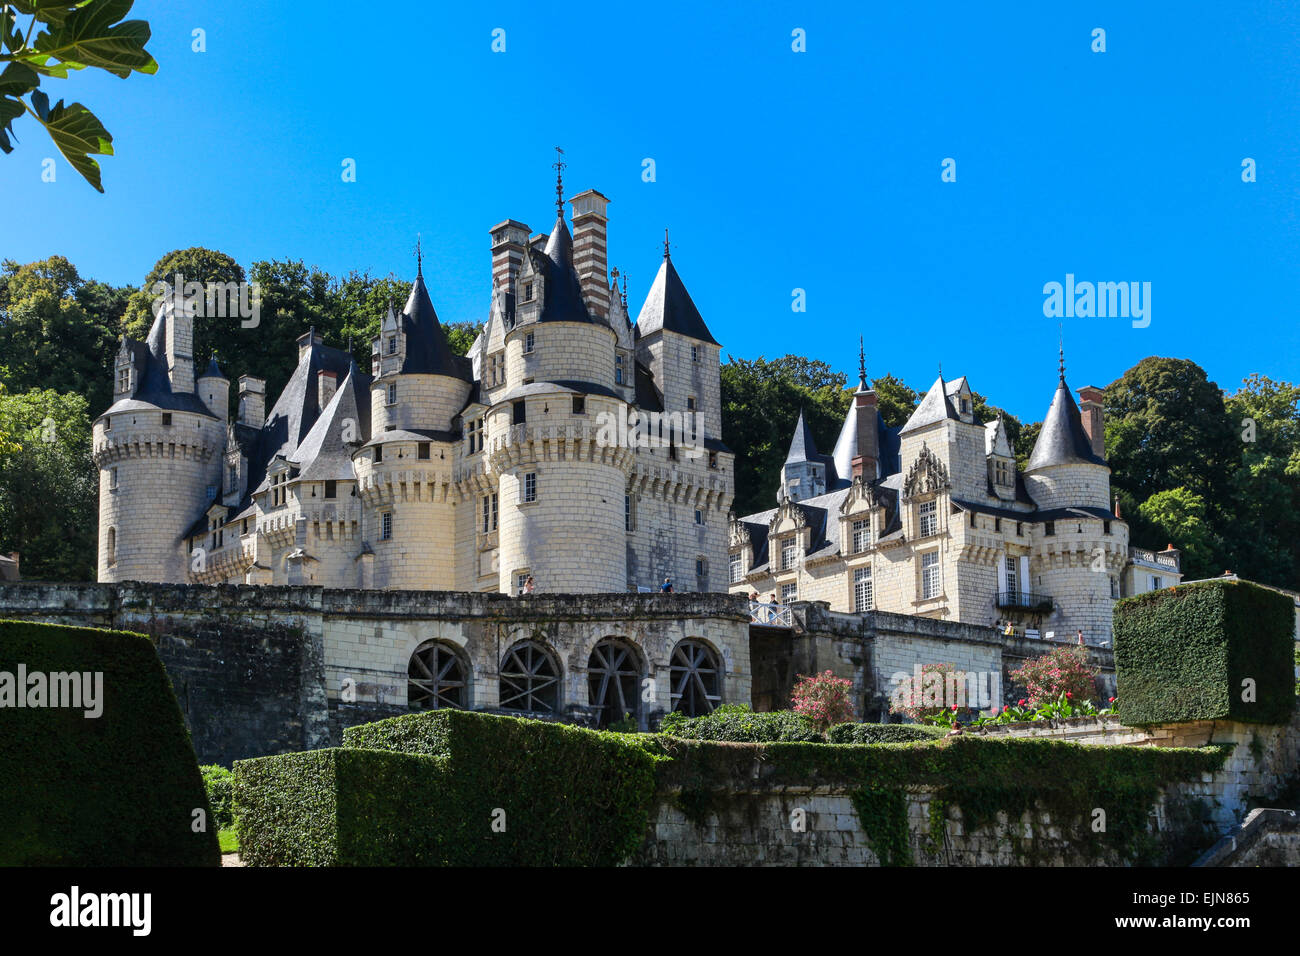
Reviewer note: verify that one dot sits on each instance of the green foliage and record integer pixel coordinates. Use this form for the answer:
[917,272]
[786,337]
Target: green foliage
[220,783]
[738,723]
[894,400]
[882,733]
[59,37]
[824,699]
[119,789]
[1063,672]
[48,485]
[1182,516]
[1183,653]
[426,789]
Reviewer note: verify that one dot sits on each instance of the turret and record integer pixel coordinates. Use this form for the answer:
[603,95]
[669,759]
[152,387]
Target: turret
[214,391]
[804,473]
[1064,470]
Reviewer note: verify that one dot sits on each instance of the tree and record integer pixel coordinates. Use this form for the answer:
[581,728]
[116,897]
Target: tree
[461,335]
[69,35]
[53,333]
[1180,517]
[894,400]
[47,485]
[761,401]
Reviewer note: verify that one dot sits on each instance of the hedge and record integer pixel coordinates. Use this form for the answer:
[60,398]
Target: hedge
[1182,654]
[883,733]
[119,789]
[740,724]
[450,788]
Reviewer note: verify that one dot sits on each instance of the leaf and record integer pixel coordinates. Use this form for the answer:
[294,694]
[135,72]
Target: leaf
[9,110]
[10,36]
[18,79]
[89,38]
[77,132]
[54,12]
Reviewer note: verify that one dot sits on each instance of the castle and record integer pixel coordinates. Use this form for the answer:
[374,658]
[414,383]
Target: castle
[433,471]
[935,519]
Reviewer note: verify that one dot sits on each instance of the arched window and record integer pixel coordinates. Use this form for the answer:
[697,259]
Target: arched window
[614,681]
[530,679]
[437,677]
[112,546]
[696,675]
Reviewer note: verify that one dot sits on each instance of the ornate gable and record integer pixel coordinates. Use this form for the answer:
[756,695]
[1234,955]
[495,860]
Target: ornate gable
[927,475]
[738,534]
[861,497]
[789,517]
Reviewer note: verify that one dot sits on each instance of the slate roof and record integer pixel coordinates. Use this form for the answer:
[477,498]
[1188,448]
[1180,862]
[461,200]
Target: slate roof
[802,446]
[427,349]
[935,407]
[846,449]
[154,387]
[323,455]
[669,307]
[561,292]
[1062,440]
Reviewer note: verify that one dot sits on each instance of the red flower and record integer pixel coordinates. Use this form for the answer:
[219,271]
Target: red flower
[1112,700]
[1020,702]
[1005,708]
[1068,694]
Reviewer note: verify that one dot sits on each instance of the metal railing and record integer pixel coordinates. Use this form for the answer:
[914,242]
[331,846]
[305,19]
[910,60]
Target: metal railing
[771,615]
[1156,558]
[1023,600]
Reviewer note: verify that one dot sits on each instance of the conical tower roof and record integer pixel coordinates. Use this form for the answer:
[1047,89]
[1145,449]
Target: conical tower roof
[1062,440]
[668,307]
[427,349]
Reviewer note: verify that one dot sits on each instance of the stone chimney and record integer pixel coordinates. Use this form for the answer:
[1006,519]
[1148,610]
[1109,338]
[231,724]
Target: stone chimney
[1092,409]
[305,342]
[180,346]
[508,241]
[326,385]
[867,462]
[590,259]
[252,401]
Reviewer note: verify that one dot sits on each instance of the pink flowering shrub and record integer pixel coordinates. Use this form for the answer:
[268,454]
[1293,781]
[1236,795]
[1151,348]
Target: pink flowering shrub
[824,699]
[925,700]
[1065,672]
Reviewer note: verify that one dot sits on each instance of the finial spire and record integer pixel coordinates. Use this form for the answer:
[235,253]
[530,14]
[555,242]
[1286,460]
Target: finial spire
[941,371]
[419,258]
[559,166]
[667,253]
[862,364]
[1061,329]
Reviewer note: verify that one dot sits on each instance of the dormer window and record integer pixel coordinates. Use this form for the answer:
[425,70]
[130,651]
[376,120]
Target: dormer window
[124,378]
[789,554]
[965,406]
[392,345]
[1002,472]
[528,292]
[474,435]
[528,342]
[927,518]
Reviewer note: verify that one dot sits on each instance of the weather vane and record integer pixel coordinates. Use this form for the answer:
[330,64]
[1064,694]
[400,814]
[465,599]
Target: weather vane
[559,167]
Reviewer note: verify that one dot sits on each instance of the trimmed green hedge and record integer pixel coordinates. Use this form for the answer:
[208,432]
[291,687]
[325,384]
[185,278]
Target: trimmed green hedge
[115,790]
[883,733]
[450,788]
[740,724]
[1182,654]
[220,785]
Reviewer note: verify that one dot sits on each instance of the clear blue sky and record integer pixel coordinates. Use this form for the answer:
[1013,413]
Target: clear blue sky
[776,170]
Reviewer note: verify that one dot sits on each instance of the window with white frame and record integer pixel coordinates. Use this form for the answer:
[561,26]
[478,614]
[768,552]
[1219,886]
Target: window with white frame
[530,486]
[789,554]
[386,526]
[489,513]
[528,342]
[392,394]
[1155,582]
[474,435]
[928,515]
[789,592]
[863,599]
[861,535]
[734,565]
[930,574]
[1011,574]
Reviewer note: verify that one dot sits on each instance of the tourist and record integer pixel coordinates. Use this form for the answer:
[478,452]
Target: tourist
[667,587]
[1080,635]
[529,586]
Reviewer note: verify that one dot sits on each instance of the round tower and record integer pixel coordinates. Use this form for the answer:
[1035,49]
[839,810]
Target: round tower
[158,452]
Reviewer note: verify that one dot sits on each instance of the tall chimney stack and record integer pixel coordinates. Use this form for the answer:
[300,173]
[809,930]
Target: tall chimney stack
[252,401]
[868,458]
[1092,410]
[180,343]
[590,257]
[508,241]
[326,386]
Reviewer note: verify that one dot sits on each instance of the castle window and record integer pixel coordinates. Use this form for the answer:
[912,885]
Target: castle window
[863,600]
[690,403]
[1011,575]
[167,420]
[1002,471]
[1020,530]
[974,523]
[111,548]
[1155,583]
[1049,528]
[699,516]
[108,423]
[386,526]
[702,572]
[1105,527]
[928,514]
[965,407]
[212,492]
[489,513]
[518,413]
[232,478]
[528,292]
[734,567]
[861,535]
[930,575]
[618,370]
[112,478]
[436,677]
[627,512]
[789,592]
[579,404]
[379,454]
[789,554]
[530,679]
[392,394]
[392,345]
[331,489]
[530,486]
[695,353]
[474,434]
[124,378]
[1114,589]
[672,450]
[695,678]
[528,342]
[422,451]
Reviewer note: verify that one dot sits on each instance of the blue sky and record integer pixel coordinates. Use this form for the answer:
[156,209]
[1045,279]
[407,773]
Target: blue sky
[776,170]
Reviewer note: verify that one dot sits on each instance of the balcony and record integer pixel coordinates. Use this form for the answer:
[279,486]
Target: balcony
[770,615]
[1023,601]
[1156,559]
